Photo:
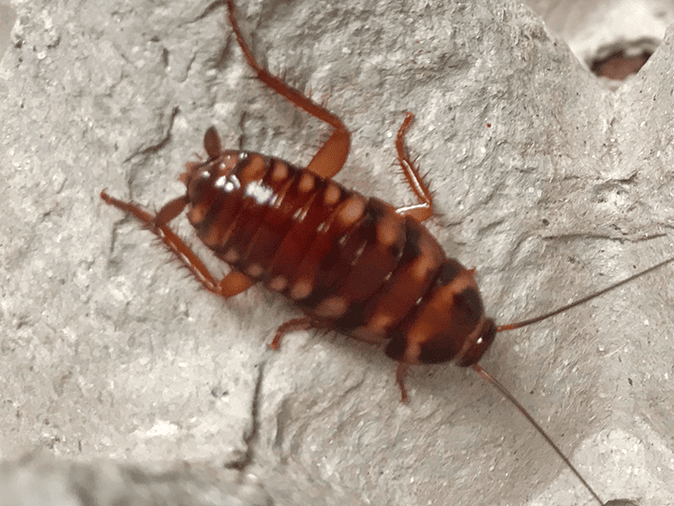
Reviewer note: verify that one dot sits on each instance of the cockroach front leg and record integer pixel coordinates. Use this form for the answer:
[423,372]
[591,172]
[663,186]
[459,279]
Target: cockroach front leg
[232,284]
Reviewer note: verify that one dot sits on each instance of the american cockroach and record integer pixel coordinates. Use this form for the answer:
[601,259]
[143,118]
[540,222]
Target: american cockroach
[353,264]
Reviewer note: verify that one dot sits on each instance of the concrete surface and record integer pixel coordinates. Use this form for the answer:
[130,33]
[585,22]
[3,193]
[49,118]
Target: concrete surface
[7,19]
[549,185]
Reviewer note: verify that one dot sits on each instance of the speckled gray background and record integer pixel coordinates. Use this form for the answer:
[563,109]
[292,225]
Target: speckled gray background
[548,184]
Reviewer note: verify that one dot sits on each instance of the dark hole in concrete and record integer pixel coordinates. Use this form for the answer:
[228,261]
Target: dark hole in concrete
[618,65]
[620,502]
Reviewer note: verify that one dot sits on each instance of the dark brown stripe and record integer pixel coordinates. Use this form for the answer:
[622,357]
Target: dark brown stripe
[468,306]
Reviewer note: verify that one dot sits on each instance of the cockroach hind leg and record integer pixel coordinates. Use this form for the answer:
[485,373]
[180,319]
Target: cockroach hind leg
[289,326]
[330,158]
[400,380]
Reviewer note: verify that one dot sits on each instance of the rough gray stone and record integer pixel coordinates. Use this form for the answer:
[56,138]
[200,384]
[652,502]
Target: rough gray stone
[551,186]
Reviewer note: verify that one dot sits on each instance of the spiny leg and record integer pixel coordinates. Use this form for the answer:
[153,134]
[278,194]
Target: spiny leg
[330,158]
[232,284]
[424,209]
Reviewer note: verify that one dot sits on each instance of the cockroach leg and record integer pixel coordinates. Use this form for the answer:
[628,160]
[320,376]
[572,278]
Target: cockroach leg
[424,209]
[330,158]
[289,326]
[232,284]
[170,210]
[400,380]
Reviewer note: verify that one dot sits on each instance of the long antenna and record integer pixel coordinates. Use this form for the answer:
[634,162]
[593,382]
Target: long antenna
[490,379]
[524,323]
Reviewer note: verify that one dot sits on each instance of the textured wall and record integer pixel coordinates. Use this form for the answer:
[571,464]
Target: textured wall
[549,185]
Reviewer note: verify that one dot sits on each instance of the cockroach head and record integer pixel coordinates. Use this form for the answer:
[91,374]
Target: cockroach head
[201,175]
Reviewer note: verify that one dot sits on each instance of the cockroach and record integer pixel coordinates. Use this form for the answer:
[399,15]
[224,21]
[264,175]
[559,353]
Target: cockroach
[353,264]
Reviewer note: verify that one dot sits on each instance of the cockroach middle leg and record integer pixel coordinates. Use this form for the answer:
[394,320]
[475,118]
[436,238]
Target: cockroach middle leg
[330,158]
[232,284]
[424,209]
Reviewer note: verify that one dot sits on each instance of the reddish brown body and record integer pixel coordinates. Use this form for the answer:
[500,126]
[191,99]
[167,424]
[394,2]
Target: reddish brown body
[353,264]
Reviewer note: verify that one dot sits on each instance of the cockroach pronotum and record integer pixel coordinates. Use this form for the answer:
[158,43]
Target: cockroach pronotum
[353,264]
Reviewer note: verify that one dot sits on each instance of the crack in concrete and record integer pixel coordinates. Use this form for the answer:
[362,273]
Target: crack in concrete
[252,437]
